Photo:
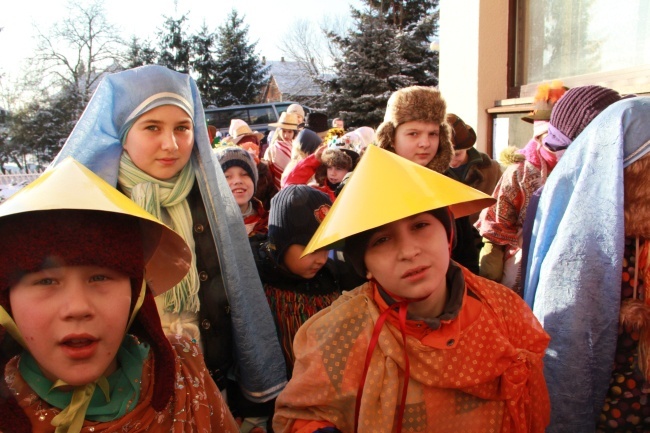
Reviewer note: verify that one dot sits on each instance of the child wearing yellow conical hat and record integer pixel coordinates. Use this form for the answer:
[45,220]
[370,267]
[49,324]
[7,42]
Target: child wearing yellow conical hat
[424,345]
[77,308]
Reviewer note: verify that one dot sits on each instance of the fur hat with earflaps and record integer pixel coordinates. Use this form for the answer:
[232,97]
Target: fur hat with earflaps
[417,103]
[87,223]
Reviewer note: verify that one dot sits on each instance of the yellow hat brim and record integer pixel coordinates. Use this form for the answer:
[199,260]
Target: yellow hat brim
[385,187]
[72,186]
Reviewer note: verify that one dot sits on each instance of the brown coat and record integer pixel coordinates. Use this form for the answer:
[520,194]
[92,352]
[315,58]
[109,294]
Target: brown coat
[481,173]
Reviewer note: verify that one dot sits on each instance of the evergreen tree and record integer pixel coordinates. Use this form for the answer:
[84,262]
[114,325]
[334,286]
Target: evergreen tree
[402,13]
[415,23]
[175,46]
[205,65]
[415,42]
[240,74]
[41,128]
[139,53]
[369,71]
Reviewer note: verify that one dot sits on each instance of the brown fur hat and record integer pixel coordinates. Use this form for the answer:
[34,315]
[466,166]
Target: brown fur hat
[637,198]
[417,103]
[337,158]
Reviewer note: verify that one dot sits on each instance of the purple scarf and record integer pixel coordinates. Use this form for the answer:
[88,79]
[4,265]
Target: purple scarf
[556,140]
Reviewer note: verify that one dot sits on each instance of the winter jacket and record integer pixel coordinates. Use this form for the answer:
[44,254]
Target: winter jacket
[214,314]
[480,172]
[305,170]
[294,299]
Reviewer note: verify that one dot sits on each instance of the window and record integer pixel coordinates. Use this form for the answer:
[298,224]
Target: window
[221,118]
[261,115]
[583,42]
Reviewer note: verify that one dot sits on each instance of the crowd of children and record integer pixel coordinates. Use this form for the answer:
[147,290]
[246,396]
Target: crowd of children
[329,281]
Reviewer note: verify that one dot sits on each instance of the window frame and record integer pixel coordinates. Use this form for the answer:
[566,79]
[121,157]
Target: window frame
[625,81]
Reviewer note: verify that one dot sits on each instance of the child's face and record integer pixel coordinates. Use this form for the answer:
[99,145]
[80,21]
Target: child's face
[73,320]
[409,258]
[306,267]
[160,141]
[335,174]
[241,185]
[417,141]
[458,158]
[287,134]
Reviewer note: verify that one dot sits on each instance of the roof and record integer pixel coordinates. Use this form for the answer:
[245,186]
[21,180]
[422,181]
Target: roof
[293,78]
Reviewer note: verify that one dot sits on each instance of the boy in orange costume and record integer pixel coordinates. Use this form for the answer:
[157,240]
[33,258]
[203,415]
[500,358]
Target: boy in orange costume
[473,359]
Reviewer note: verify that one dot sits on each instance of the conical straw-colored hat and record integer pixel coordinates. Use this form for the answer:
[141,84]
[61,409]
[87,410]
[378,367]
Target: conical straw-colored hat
[72,186]
[385,187]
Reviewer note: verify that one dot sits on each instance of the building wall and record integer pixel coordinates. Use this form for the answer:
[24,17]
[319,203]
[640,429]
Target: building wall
[474,48]
[473,61]
[272,92]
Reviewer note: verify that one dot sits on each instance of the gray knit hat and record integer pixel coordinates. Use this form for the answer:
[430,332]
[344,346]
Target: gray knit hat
[296,212]
[234,156]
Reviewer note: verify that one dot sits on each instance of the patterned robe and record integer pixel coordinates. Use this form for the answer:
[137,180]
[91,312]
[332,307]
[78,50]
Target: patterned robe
[196,407]
[480,372]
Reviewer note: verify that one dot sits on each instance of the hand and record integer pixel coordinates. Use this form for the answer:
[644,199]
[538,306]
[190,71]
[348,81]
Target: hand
[319,152]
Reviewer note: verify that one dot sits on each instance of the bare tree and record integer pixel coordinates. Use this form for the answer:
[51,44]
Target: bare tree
[76,52]
[307,43]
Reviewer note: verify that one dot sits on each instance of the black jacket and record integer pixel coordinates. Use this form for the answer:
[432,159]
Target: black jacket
[214,314]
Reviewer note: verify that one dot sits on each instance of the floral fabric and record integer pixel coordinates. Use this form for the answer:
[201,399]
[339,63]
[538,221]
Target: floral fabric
[196,407]
[627,405]
[502,222]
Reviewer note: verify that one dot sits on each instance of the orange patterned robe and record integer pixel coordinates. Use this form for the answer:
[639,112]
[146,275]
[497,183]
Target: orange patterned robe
[481,372]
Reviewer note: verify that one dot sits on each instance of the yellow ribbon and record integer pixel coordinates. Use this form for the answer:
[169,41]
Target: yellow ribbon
[8,323]
[71,419]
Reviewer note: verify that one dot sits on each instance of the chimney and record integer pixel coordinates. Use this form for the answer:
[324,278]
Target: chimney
[282,59]
[264,60]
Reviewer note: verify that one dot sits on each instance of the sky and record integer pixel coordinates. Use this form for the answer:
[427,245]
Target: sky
[267,21]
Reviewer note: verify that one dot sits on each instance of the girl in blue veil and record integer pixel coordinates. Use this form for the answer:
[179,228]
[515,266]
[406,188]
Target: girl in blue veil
[168,168]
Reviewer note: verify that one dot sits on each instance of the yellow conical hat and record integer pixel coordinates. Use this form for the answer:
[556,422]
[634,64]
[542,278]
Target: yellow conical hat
[72,186]
[385,187]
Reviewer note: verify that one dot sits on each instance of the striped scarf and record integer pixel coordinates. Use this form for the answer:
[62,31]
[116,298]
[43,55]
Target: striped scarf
[152,195]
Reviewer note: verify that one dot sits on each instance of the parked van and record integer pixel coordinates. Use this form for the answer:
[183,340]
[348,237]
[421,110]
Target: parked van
[258,116]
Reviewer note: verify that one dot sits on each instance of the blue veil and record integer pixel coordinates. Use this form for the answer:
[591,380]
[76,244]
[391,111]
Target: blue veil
[573,282]
[96,143]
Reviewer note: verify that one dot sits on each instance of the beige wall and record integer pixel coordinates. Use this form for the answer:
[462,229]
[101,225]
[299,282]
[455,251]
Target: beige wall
[473,60]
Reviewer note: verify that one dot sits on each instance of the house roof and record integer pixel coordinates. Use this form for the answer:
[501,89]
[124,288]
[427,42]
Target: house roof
[293,78]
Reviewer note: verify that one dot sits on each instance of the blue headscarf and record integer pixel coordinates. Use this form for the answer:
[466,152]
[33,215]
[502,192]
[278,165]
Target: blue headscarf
[573,281]
[96,142]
